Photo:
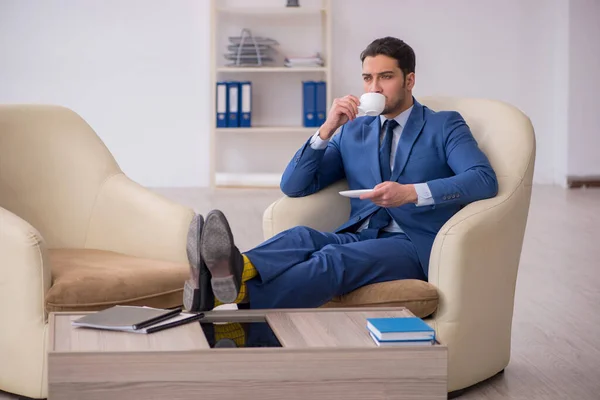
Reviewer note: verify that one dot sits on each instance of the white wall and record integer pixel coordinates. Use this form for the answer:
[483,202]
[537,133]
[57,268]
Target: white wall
[135,70]
[138,72]
[484,48]
[560,41]
[584,88]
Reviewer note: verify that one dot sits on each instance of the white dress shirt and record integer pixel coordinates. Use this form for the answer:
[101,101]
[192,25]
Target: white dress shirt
[422,189]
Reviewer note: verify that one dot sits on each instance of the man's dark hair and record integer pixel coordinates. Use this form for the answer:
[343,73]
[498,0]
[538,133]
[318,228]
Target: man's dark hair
[394,48]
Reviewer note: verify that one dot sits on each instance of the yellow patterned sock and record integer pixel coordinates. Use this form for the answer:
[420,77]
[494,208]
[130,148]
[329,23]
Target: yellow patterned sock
[248,273]
[233,331]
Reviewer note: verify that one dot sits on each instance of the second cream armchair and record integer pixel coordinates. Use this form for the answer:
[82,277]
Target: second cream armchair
[75,234]
[475,256]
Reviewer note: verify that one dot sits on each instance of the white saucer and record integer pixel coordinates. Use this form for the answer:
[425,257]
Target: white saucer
[355,193]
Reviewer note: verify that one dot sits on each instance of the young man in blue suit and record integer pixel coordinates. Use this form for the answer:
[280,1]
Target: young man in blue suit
[423,165]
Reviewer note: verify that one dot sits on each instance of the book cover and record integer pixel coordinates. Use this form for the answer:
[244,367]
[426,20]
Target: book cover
[409,328]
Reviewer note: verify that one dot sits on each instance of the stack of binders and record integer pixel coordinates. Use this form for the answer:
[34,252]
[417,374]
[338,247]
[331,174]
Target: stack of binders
[402,331]
[314,100]
[234,104]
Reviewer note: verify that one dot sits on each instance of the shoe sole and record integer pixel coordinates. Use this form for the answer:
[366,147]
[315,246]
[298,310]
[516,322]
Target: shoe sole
[191,292]
[225,343]
[216,248]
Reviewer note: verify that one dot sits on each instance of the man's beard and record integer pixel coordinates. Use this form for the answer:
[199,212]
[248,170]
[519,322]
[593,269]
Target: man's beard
[393,107]
[387,110]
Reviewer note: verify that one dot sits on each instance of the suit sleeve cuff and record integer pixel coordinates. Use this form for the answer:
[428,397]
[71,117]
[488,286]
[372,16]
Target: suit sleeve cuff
[423,194]
[316,143]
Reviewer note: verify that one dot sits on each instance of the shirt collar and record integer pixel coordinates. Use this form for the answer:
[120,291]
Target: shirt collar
[400,118]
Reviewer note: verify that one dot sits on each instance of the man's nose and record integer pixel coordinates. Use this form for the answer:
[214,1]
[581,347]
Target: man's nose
[375,87]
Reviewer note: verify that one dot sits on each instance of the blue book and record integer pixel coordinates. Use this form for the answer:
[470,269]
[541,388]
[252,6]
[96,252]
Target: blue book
[321,102]
[221,104]
[409,329]
[245,106]
[233,114]
[389,343]
[309,96]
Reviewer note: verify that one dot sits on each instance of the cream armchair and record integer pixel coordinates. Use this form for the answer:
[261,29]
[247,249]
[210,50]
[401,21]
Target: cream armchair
[475,256]
[64,200]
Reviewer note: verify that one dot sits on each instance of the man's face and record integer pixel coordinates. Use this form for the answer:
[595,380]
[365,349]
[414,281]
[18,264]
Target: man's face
[381,74]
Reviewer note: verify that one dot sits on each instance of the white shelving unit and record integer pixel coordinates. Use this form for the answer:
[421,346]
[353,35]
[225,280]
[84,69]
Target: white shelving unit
[256,156]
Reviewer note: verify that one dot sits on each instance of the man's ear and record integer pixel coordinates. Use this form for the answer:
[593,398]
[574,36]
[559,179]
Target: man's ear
[409,81]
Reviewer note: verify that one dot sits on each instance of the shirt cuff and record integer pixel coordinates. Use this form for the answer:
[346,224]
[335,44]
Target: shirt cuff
[316,143]
[423,194]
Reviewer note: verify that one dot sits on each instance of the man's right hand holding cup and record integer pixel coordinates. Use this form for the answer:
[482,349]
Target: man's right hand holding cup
[343,109]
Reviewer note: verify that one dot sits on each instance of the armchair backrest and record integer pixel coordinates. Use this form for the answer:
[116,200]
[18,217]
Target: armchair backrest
[476,254]
[52,167]
[503,133]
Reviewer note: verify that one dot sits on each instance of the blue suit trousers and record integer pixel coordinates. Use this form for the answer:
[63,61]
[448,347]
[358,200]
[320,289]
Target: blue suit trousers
[305,268]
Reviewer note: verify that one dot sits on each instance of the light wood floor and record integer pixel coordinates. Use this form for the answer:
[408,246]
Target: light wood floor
[556,326]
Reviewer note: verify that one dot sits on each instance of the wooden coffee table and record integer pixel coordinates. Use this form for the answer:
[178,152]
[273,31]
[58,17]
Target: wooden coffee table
[326,354]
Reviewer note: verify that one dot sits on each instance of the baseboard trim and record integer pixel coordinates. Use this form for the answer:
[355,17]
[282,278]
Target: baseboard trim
[575,182]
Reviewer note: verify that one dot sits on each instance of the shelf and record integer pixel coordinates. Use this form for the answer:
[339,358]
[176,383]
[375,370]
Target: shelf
[270,69]
[265,180]
[270,129]
[272,10]
[279,129]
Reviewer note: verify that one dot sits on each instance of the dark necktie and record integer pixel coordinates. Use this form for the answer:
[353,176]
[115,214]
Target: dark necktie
[385,149]
[382,218]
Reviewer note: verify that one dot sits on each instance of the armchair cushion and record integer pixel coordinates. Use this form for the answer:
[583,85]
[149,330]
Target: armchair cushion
[91,280]
[420,297]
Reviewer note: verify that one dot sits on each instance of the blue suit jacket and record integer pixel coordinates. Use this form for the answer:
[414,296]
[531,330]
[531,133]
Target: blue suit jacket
[435,147]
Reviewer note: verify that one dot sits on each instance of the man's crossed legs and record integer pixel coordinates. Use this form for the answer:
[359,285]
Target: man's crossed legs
[300,267]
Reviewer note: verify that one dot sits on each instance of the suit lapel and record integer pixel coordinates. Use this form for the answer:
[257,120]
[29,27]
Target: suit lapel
[370,138]
[409,135]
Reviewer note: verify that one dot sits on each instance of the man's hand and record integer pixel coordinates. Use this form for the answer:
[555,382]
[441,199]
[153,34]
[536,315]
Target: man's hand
[343,110]
[391,194]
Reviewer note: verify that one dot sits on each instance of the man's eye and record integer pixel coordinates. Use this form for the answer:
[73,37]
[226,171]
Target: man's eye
[366,78]
[386,76]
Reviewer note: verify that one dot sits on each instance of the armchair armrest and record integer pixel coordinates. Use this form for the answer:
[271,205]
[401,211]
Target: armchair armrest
[130,219]
[324,211]
[474,263]
[476,254]
[24,280]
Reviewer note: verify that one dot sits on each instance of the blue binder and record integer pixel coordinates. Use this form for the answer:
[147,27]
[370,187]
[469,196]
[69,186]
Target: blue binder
[321,102]
[245,104]
[309,106]
[233,114]
[221,101]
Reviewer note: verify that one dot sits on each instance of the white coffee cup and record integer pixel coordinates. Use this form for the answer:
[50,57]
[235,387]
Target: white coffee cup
[371,104]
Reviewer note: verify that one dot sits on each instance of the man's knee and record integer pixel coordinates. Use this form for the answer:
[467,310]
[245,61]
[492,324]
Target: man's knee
[331,255]
[331,264]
